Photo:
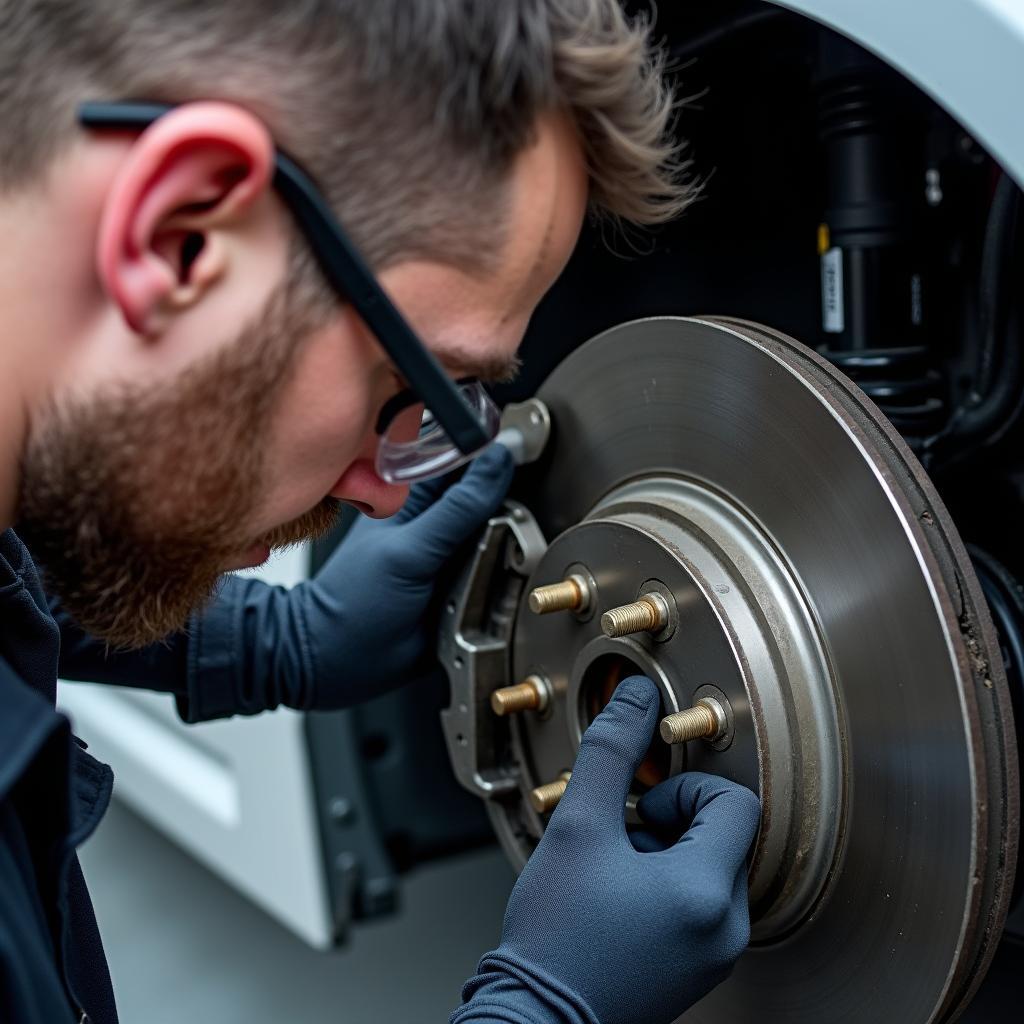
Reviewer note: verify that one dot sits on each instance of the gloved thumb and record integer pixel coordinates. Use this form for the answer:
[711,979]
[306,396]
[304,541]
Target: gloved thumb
[612,749]
[439,530]
[719,816]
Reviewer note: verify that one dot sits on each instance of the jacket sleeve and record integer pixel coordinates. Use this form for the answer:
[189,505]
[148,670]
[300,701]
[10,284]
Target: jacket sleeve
[85,659]
[246,652]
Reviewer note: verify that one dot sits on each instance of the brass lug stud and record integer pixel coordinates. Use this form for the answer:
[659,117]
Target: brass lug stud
[544,799]
[705,720]
[571,595]
[532,694]
[648,615]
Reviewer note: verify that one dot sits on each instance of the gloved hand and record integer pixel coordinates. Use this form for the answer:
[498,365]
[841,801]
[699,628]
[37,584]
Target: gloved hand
[603,930]
[365,608]
[354,631]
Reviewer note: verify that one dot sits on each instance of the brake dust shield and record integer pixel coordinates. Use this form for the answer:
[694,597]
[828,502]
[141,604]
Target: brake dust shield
[820,594]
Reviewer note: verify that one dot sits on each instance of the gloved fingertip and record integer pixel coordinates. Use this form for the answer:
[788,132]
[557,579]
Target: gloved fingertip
[488,479]
[463,508]
[638,689]
[625,725]
[495,460]
[746,811]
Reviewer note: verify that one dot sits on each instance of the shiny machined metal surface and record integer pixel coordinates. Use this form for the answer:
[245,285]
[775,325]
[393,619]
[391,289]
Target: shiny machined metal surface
[738,623]
[822,596]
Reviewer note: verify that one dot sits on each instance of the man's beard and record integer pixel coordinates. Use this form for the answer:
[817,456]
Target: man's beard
[135,502]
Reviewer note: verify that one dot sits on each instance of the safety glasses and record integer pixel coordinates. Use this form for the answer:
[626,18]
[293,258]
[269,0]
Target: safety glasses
[456,421]
[415,446]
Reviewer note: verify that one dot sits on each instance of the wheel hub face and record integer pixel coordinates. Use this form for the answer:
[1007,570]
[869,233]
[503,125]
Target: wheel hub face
[821,593]
[739,631]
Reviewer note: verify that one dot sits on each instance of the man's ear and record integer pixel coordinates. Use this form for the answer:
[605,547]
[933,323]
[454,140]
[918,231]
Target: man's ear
[189,178]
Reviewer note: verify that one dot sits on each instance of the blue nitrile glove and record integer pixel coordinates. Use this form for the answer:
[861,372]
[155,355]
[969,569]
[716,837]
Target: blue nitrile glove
[597,931]
[355,630]
[365,608]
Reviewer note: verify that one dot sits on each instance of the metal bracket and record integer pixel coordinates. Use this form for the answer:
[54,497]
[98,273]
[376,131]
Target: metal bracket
[477,627]
[525,429]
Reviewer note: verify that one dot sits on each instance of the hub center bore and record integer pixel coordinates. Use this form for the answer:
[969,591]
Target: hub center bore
[600,679]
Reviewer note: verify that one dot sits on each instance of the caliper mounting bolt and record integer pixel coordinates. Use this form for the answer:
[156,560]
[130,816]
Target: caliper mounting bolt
[532,694]
[571,595]
[544,799]
[648,615]
[705,720]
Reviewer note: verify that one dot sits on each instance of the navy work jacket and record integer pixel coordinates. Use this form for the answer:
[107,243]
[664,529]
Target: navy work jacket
[53,792]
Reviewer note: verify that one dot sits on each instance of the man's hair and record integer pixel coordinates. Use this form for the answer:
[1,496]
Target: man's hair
[408,113]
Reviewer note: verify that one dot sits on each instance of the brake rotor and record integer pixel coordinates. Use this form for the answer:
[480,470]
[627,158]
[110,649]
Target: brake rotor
[820,593]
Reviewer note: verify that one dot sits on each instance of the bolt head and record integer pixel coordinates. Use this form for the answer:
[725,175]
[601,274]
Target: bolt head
[341,810]
[346,864]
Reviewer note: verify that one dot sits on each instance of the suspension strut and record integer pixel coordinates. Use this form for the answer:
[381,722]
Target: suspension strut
[874,280]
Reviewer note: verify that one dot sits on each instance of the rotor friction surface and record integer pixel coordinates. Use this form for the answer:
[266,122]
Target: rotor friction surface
[921,879]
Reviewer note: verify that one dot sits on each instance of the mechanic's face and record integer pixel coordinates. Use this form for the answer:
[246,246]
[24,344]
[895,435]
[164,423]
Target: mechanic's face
[136,499]
[473,325]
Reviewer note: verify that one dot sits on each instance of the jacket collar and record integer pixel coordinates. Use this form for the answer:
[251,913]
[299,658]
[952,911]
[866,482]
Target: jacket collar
[27,722]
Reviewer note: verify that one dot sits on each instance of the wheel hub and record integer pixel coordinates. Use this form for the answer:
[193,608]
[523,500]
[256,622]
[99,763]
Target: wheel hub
[741,632]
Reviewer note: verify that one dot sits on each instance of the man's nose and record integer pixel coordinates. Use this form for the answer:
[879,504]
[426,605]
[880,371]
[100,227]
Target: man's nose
[388,501]
[361,486]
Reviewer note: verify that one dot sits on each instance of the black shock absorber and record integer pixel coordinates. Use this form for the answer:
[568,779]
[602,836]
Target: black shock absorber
[874,280]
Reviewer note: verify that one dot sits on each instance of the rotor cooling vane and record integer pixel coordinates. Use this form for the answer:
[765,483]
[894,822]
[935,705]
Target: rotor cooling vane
[721,510]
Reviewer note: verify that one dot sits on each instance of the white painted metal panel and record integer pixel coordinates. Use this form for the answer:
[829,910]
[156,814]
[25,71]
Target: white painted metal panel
[236,794]
[967,54]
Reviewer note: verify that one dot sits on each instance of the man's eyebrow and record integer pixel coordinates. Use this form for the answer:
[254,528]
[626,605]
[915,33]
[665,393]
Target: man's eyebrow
[494,369]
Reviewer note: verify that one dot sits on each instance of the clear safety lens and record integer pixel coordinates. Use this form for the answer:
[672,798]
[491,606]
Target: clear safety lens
[416,447]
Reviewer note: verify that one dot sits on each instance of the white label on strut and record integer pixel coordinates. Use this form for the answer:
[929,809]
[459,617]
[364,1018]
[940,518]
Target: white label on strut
[832,290]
